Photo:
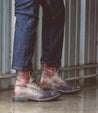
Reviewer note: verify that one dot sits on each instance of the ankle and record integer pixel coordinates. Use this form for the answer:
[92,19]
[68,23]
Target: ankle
[23,77]
[48,68]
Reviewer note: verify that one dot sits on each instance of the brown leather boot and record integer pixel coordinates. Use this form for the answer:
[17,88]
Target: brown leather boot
[25,89]
[50,79]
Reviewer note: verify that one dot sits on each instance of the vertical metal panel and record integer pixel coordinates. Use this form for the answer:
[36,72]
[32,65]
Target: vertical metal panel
[69,33]
[5,36]
[63,51]
[66,32]
[92,38]
[82,35]
[95,30]
[76,31]
[0,36]
[97,33]
[38,48]
[82,32]
[12,27]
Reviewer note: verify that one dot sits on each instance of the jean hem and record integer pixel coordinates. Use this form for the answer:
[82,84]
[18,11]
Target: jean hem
[21,68]
[50,64]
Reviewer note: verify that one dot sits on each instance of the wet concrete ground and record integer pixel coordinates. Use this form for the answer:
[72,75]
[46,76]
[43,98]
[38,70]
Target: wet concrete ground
[83,102]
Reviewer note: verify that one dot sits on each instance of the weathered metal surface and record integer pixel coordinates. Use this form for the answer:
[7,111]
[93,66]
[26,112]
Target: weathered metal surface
[5,36]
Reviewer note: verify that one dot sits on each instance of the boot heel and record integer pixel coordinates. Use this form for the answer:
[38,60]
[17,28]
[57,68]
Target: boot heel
[19,99]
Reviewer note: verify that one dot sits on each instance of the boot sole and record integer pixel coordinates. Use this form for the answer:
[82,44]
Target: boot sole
[69,92]
[21,99]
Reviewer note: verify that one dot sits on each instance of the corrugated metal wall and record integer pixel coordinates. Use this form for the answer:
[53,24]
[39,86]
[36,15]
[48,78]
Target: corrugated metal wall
[80,50]
[81,35]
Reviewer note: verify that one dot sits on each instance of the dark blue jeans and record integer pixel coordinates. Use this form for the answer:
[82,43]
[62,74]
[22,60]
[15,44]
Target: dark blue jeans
[26,12]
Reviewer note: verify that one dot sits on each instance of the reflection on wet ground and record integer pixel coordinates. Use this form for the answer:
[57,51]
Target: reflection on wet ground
[83,102]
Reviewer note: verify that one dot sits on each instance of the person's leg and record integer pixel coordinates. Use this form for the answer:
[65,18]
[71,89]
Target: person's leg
[26,12]
[52,33]
[53,29]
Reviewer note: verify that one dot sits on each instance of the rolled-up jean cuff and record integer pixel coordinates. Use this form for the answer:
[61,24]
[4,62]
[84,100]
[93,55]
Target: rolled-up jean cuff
[20,68]
[50,64]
